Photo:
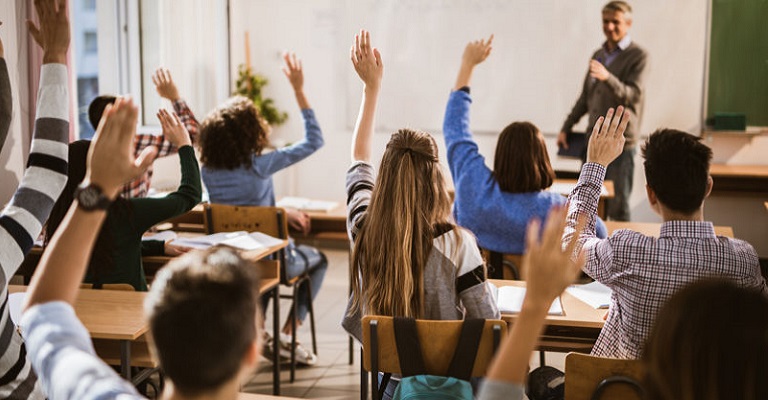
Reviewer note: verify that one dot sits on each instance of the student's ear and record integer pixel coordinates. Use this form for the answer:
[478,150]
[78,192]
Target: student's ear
[710,183]
[652,199]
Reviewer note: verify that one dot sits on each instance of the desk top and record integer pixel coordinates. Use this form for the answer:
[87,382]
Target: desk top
[576,313]
[108,314]
[653,228]
[565,186]
[738,171]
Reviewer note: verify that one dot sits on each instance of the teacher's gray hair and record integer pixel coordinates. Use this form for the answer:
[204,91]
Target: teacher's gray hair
[619,6]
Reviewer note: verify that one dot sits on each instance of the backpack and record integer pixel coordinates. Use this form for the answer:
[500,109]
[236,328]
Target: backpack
[414,384]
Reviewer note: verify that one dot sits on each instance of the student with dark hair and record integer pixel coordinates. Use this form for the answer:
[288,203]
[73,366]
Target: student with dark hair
[497,204]
[715,352]
[117,254]
[644,271]
[237,171]
[202,310]
[22,219]
[167,89]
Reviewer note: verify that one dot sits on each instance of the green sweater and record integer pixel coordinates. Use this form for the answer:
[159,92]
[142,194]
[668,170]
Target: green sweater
[127,224]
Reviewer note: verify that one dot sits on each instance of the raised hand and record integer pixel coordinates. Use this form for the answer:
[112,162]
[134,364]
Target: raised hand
[164,84]
[598,71]
[111,160]
[293,71]
[173,129]
[477,51]
[607,140]
[547,268]
[53,33]
[367,60]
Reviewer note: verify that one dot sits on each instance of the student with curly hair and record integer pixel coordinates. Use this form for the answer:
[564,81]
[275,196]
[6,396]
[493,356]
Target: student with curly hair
[236,171]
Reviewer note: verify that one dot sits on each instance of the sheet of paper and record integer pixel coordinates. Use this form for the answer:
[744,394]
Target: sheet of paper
[204,242]
[510,301]
[595,294]
[164,236]
[567,188]
[304,204]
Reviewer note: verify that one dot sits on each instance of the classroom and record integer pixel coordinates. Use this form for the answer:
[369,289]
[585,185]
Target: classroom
[173,125]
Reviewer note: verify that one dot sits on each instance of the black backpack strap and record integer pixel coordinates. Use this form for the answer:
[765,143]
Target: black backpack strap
[463,361]
[408,347]
[496,265]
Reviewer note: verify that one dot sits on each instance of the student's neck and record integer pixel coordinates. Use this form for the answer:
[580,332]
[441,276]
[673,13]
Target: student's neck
[227,391]
[672,215]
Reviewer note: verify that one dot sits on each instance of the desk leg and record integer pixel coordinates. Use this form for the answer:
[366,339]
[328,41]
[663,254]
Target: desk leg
[125,359]
[276,340]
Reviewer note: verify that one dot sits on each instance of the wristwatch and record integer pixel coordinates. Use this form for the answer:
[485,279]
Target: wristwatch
[90,197]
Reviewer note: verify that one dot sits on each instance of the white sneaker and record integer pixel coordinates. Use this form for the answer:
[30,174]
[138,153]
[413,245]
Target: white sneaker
[303,356]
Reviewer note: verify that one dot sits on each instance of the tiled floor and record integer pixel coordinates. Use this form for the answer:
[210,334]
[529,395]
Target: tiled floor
[332,377]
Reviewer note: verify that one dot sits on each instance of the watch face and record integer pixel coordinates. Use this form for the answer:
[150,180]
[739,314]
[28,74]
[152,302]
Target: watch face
[89,197]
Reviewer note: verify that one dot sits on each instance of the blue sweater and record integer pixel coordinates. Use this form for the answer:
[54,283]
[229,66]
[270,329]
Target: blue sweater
[498,218]
[252,185]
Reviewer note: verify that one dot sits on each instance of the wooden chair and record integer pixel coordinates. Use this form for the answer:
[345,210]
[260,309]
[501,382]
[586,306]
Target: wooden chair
[272,221]
[438,343]
[502,266]
[589,377]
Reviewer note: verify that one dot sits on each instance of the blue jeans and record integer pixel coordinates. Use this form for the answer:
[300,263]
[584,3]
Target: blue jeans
[296,262]
[621,171]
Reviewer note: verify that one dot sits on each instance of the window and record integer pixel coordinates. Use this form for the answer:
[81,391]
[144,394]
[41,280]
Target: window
[89,5]
[90,45]
[86,61]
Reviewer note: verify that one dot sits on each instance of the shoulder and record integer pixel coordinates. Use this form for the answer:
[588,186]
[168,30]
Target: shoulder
[460,246]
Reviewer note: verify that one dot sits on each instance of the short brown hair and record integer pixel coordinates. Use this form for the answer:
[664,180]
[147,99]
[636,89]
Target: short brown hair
[522,163]
[232,134]
[619,6]
[202,312]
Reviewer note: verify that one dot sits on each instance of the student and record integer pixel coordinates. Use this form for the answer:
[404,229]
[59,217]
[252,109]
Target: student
[709,341]
[237,172]
[167,89]
[44,177]
[497,204]
[408,258]
[202,310]
[548,271]
[644,271]
[117,254]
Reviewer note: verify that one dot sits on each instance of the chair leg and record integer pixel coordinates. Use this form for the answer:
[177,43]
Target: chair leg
[542,358]
[308,282]
[351,351]
[363,378]
[293,335]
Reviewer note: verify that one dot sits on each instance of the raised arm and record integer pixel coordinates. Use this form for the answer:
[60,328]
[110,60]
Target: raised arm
[475,53]
[605,144]
[370,68]
[294,71]
[167,89]
[548,270]
[110,163]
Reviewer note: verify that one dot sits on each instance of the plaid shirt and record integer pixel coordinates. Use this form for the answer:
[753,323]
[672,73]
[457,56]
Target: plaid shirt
[140,186]
[644,271]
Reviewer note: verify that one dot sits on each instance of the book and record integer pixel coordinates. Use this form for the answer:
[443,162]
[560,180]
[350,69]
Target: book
[595,294]
[510,300]
[304,204]
[577,145]
[241,240]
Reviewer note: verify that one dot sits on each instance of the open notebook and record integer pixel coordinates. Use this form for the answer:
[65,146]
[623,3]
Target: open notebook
[240,240]
[510,300]
[595,294]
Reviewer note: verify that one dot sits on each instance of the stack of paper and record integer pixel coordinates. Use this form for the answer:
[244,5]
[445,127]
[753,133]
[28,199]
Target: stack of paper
[510,301]
[304,204]
[240,240]
[595,294]
[164,236]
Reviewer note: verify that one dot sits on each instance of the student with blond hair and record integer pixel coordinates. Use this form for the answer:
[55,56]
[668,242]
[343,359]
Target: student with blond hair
[409,260]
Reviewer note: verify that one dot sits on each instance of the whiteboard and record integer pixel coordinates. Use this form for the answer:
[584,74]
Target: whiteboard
[540,56]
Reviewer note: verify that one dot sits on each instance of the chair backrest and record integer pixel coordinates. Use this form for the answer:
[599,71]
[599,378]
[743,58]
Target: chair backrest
[502,266]
[225,218]
[438,342]
[589,377]
[110,286]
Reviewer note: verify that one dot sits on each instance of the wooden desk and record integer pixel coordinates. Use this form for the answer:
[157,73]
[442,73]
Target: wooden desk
[576,330]
[739,178]
[110,314]
[653,228]
[255,396]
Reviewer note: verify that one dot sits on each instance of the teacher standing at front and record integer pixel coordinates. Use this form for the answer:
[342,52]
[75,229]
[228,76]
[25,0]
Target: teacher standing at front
[615,78]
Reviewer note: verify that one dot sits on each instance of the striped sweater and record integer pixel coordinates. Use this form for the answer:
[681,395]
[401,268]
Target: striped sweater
[22,219]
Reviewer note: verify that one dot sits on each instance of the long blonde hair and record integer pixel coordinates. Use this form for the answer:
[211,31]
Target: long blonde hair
[392,247]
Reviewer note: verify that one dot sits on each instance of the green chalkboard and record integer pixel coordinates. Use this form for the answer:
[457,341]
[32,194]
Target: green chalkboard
[738,61]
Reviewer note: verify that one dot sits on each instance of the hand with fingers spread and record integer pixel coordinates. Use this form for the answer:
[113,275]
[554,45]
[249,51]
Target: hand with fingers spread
[111,161]
[547,268]
[164,84]
[607,139]
[294,71]
[53,33]
[173,129]
[367,61]
[475,53]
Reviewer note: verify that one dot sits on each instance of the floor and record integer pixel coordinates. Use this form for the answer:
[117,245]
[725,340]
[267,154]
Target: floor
[332,377]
